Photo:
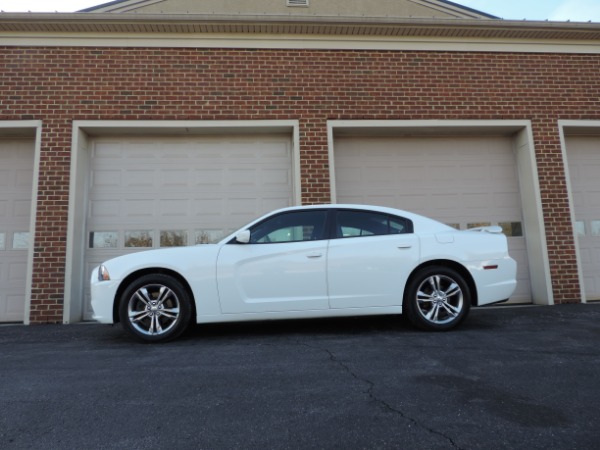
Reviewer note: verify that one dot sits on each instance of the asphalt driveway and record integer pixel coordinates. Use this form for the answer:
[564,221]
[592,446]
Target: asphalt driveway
[510,377]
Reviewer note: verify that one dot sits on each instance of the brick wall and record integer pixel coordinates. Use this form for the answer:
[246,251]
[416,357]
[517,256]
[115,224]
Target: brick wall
[59,85]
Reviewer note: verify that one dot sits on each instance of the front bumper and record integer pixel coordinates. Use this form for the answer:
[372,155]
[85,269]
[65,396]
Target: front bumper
[103,298]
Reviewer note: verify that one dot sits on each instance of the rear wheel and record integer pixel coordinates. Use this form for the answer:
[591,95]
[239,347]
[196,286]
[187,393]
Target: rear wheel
[155,307]
[437,298]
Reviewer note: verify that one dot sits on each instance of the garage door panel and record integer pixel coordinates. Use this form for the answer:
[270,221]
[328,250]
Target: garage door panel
[412,173]
[137,153]
[458,181]
[23,178]
[348,175]
[208,177]
[586,256]
[22,209]
[107,178]
[17,271]
[275,179]
[592,199]
[13,307]
[5,177]
[504,173]
[105,208]
[173,207]
[477,200]
[138,208]
[271,151]
[242,177]
[590,169]
[207,207]
[478,173]
[175,178]
[137,179]
[505,201]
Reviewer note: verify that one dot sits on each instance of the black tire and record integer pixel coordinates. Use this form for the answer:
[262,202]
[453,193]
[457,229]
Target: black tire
[437,298]
[155,308]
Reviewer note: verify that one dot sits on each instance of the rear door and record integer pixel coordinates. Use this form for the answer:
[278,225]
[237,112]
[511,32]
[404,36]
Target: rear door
[369,259]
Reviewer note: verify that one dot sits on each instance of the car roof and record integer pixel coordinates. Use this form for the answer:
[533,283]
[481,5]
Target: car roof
[424,223]
[383,209]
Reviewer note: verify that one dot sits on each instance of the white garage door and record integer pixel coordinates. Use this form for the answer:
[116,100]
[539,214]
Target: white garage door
[150,193]
[16,178]
[464,182]
[583,154]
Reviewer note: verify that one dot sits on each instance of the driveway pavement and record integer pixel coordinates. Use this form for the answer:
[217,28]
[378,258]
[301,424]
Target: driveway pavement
[509,378]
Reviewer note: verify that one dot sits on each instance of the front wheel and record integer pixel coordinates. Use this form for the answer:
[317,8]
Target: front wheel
[437,298]
[155,307]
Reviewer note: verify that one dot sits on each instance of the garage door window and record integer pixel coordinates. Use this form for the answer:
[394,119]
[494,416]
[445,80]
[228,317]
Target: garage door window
[104,239]
[140,238]
[512,229]
[173,238]
[210,236]
[21,240]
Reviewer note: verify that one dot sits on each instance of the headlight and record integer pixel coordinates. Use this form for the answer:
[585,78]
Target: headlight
[103,274]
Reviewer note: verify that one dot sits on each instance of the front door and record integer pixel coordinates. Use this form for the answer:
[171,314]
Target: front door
[282,268]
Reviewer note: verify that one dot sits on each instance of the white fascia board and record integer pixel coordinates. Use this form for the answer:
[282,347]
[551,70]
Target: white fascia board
[573,127]
[437,125]
[183,127]
[295,42]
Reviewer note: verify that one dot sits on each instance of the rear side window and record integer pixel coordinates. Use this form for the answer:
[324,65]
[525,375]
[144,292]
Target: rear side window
[365,223]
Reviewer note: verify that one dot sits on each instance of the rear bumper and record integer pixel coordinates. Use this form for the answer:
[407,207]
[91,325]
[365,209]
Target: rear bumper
[496,280]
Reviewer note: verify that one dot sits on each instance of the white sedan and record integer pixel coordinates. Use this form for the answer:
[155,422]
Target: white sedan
[306,262]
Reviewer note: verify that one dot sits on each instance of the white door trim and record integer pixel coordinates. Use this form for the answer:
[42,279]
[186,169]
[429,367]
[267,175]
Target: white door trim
[523,143]
[566,128]
[84,129]
[31,129]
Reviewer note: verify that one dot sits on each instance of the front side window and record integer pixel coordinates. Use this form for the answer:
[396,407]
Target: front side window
[294,226]
[365,223]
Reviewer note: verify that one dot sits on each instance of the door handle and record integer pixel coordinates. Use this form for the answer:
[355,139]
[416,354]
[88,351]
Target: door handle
[405,246]
[314,255]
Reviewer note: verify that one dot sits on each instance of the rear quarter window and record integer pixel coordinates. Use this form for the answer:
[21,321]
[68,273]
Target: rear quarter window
[366,223]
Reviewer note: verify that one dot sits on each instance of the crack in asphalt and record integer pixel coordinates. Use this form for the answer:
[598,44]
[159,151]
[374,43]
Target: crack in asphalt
[376,399]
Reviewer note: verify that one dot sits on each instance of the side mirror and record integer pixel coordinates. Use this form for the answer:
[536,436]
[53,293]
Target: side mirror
[243,237]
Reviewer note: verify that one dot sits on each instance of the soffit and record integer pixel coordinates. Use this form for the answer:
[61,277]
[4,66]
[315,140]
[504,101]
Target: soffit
[253,25]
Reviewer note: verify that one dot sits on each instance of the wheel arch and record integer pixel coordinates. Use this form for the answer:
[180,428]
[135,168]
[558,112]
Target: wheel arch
[154,270]
[462,271]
